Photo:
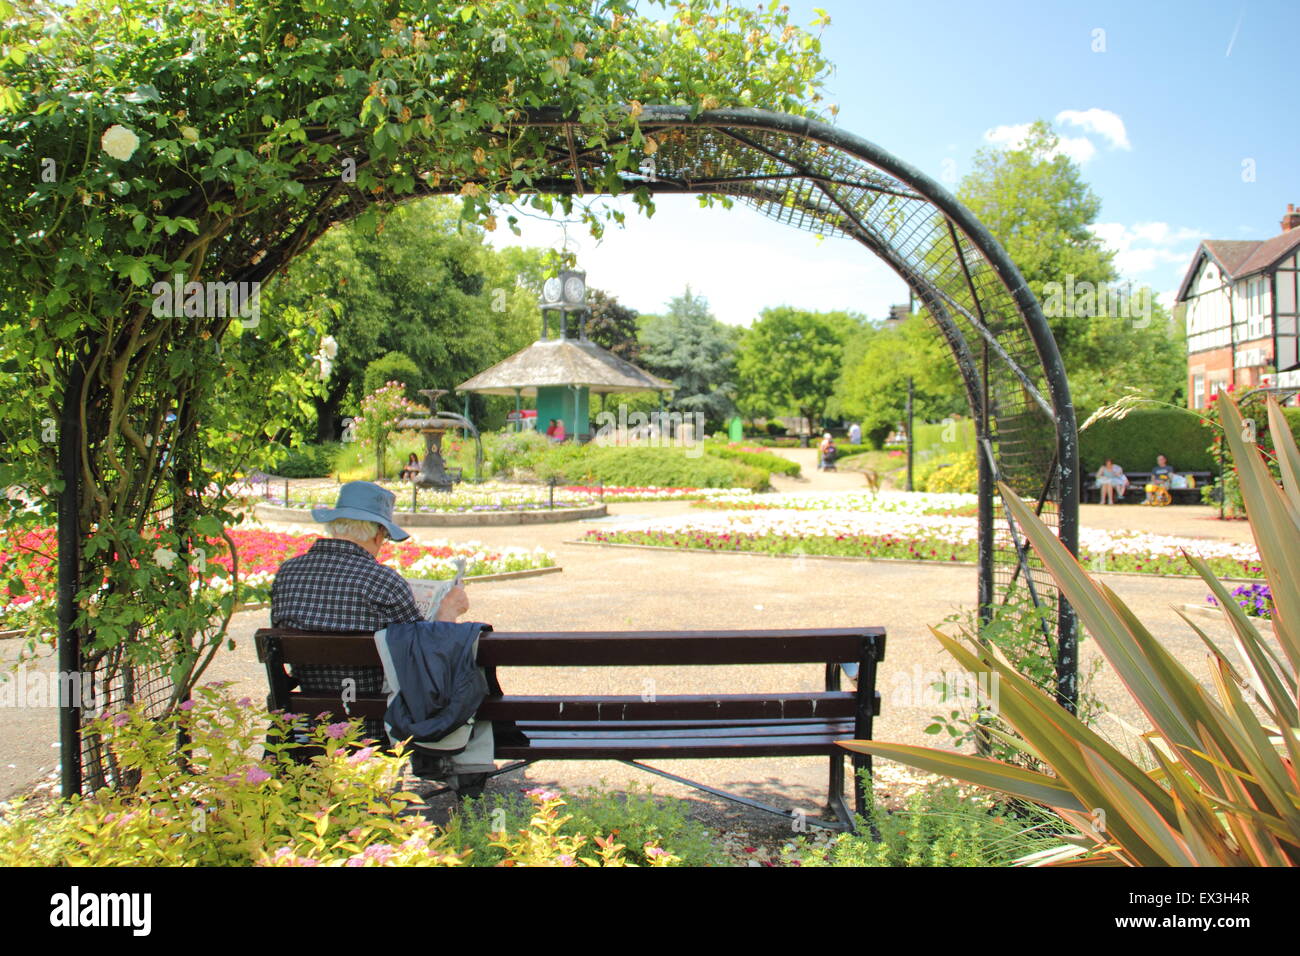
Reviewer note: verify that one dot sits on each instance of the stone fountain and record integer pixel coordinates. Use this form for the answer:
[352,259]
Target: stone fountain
[433,471]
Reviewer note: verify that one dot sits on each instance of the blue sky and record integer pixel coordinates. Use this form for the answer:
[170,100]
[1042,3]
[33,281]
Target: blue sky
[1182,114]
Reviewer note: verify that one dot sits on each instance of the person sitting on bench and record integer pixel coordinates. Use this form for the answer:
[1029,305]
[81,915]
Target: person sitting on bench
[1161,477]
[1112,481]
[339,585]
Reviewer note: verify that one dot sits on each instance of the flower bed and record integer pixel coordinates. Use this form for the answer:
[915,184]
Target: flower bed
[891,502]
[650,493]
[500,496]
[926,537]
[260,554]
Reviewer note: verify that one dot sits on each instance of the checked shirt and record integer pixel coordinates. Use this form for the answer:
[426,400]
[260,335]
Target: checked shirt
[338,586]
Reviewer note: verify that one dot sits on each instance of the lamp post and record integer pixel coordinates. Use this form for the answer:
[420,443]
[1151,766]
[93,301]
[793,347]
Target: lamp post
[909,433]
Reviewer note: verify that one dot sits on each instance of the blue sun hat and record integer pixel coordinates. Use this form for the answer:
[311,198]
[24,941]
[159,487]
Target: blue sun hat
[363,501]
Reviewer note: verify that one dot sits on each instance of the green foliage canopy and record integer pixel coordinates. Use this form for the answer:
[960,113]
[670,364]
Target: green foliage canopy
[214,141]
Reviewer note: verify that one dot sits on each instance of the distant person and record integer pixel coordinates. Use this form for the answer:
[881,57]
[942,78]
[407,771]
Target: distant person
[855,434]
[550,429]
[412,467]
[1162,475]
[1111,477]
[828,453]
[558,435]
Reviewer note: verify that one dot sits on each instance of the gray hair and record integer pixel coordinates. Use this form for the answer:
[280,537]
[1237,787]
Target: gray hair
[353,529]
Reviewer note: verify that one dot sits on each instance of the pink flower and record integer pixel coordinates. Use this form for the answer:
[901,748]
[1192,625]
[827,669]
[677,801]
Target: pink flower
[256,775]
[121,720]
[187,705]
[336,731]
[245,702]
[541,795]
[565,859]
[362,755]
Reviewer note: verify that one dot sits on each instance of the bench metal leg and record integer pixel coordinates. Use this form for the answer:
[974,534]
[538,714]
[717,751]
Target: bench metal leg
[495,773]
[845,822]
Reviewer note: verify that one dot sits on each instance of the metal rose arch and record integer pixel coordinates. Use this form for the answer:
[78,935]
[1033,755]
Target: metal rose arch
[822,179]
[794,169]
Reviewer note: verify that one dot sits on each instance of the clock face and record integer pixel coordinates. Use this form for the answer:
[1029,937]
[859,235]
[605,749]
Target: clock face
[551,290]
[574,290]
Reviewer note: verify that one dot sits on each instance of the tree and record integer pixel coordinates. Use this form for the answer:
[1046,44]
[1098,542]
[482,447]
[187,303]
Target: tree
[873,389]
[696,352]
[1035,202]
[393,367]
[790,360]
[613,325]
[424,285]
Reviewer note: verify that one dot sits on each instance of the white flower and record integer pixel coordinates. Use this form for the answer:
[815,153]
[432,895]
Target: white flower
[190,133]
[329,347]
[119,142]
[164,558]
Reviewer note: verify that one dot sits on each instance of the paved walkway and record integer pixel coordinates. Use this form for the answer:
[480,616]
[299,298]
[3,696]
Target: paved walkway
[642,589]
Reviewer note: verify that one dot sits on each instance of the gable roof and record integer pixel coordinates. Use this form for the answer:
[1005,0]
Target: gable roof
[1239,258]
[563,362]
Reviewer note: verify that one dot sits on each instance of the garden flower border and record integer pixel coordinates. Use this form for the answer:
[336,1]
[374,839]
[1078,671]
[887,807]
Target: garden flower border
[451,519]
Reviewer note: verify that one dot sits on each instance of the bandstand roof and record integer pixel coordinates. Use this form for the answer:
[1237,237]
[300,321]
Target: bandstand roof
[563,361]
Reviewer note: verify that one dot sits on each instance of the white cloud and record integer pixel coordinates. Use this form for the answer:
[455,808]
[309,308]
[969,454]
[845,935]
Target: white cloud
[1102,122]
[1078,148]
[1147,246]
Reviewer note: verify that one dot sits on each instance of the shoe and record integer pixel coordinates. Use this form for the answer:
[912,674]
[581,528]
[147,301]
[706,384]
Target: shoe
[469,785]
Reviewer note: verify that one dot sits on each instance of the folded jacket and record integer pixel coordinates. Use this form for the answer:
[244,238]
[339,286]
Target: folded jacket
[434,684]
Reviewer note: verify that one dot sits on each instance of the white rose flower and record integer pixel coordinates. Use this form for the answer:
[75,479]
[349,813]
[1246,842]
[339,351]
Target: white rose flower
[164,558]
[119,142]
[330,346]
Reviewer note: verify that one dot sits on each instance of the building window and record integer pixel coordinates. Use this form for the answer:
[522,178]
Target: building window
[1198,391]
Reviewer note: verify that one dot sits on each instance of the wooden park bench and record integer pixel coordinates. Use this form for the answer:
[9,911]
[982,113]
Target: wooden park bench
[1137,484]
[631,729]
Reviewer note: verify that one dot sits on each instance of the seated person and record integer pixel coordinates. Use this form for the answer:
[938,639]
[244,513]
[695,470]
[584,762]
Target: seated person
[1161,476]
[828,453]
[1111,480]
[412,467]
[339,585]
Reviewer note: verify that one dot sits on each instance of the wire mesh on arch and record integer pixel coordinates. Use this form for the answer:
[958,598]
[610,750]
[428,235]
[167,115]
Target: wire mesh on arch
[816,178]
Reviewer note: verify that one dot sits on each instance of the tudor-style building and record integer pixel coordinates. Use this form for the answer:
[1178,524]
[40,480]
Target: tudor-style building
[1243,311]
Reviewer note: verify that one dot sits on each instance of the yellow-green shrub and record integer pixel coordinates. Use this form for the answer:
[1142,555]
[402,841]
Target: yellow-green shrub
[229,808]
[957,474]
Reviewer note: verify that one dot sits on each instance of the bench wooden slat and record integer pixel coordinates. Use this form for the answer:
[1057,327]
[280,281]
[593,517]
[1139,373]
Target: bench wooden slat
[601,747]
[602,648]
[617,732]
[670,707]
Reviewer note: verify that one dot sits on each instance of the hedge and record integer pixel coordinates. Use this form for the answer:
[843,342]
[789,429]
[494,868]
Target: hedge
[308,461]
[642,466]
[1133,441]
[764,460]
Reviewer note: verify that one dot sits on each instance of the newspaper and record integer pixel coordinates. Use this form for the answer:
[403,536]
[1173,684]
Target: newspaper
[429,594]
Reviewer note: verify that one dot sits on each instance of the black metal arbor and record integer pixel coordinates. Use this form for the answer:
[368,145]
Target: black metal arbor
[816,177]
[796,170]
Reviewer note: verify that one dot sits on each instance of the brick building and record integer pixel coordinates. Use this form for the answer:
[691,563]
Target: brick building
[1243,311]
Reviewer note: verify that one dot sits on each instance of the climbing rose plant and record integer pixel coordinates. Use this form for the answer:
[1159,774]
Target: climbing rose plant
[159,163]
